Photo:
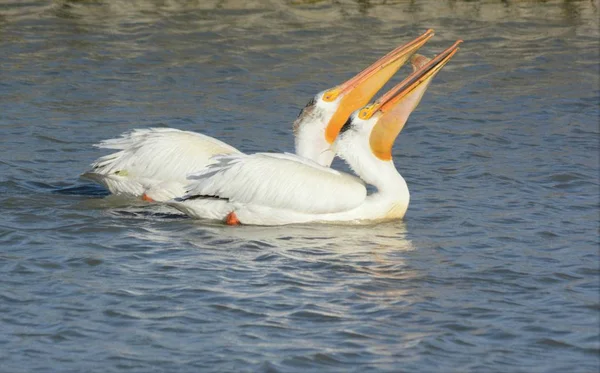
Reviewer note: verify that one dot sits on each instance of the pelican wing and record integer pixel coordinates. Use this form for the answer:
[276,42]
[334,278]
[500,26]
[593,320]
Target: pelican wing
[282,181]
[156,155]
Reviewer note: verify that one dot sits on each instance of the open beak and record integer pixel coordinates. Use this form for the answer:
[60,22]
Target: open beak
[358,91]
[394,108]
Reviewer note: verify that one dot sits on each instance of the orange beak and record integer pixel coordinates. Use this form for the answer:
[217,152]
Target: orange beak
[394,108]
[358,91]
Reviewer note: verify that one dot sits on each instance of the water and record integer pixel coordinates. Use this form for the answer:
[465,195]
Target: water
[495,268]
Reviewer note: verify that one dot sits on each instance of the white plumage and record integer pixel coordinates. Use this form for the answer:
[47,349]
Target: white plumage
[278,189]
[283,181]
[154,161]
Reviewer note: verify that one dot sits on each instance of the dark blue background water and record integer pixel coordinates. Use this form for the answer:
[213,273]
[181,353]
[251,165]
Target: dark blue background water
[495,268]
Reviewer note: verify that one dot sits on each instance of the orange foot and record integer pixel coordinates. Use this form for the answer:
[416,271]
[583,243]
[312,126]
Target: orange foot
[232,219]
[146,198]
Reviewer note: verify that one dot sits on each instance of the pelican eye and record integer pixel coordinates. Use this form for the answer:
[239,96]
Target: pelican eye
[332,94]
[367,111]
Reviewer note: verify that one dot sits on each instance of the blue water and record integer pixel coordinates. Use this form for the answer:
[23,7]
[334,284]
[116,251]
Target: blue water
[494,269]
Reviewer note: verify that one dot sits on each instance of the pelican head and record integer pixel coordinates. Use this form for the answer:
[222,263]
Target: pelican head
[367,137]
[319,123]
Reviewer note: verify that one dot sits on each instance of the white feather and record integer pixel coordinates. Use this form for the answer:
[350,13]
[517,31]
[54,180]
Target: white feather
[156,161]
[279,181]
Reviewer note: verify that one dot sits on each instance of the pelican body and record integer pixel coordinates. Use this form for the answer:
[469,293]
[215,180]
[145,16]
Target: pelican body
[277,189]
[154,163]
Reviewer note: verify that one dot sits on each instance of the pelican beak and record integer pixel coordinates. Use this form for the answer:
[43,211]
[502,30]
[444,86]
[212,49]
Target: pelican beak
[393,109]
[358,91]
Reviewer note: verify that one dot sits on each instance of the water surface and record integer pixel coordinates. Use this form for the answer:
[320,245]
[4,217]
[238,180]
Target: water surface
[494,269]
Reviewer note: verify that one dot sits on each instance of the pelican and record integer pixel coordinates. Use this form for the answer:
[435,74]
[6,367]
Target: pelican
[277,189]
[154,163]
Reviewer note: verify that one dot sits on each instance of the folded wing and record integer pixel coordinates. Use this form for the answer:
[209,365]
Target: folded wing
[282,181]
[147,157]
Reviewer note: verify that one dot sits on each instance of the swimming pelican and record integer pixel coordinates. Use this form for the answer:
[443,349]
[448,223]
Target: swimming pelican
[154,163]
[276,189]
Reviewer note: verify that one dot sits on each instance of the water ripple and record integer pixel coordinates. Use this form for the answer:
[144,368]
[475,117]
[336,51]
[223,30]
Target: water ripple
[494,269]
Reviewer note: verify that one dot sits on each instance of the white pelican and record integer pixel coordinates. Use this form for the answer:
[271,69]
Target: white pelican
[276,189]
[154,163]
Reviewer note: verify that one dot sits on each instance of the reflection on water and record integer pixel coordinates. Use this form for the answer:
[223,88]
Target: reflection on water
[363,241]
[494,269]
[381,238]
